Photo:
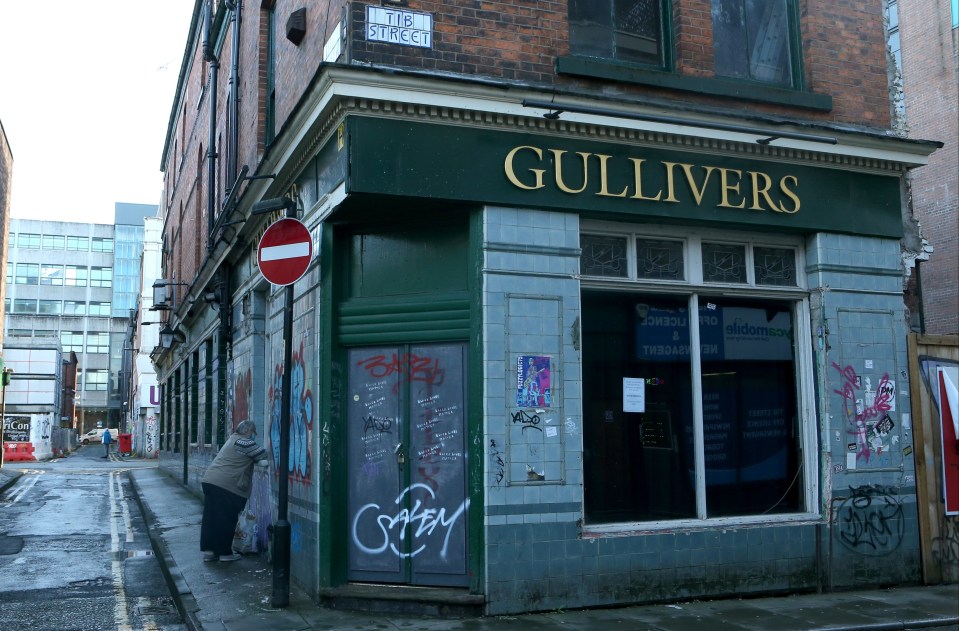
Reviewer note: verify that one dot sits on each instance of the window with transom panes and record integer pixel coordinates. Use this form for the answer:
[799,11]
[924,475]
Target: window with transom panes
[693,417]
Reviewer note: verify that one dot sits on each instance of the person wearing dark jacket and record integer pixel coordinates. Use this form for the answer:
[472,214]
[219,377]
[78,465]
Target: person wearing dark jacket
[226,488]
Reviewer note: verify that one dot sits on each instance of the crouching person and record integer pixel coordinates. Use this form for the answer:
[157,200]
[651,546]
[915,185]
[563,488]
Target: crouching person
[226,488]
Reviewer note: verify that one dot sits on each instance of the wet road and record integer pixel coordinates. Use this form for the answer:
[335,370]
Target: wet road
[74,551]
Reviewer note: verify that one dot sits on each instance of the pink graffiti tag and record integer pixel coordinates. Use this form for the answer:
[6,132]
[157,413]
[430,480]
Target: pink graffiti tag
[858,417]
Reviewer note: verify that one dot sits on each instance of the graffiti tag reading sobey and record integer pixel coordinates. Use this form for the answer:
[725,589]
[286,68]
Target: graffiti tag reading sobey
[425,520]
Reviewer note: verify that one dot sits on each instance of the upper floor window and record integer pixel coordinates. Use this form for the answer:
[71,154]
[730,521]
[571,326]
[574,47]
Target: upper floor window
[25,305]
[76,276]
[752,40]
[71,341]
[626,30]
[101,277]
[51,274]
[78,243]
[28,241]
[28,273]
[54,242]
[51,307]
[101,244]
[99,308]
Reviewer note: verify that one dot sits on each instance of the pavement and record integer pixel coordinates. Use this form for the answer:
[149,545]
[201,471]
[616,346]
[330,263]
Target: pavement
[237,596]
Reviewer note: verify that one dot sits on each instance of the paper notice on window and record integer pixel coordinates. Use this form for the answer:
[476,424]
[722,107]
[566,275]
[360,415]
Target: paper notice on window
[634,395]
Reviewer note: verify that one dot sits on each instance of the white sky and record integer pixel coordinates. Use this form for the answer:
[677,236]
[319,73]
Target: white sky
[86,90]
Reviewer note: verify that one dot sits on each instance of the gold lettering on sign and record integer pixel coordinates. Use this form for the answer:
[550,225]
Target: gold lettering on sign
[538,173]
[595,173]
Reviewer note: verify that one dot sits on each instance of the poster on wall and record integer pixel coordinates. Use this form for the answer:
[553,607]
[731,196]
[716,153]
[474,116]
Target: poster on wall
[949,424]
[533,381]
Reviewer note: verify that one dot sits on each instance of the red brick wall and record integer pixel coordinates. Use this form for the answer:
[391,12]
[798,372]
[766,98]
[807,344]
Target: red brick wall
[931,88]
[843,51]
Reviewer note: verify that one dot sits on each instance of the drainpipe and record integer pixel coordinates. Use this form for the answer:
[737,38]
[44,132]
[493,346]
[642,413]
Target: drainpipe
[233,140]
[211,154]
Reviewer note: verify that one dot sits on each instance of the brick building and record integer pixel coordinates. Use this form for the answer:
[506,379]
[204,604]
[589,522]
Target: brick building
[497,392]
[929,39]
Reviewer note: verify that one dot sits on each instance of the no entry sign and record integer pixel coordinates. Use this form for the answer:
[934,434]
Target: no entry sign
[285,251]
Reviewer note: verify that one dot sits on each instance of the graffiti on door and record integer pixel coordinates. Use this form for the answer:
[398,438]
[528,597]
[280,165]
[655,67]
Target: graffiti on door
[424,521]
[301,418]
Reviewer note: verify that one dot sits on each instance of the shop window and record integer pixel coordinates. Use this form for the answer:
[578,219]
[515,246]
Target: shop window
[54,242]
[774,266]
[724,263]
[51,274]
[28,273]
[752,40]
[28,241]
[80,244]
[51,307]
[76,276]
[660,259]
[624,30]
[101,276]
[604,256]
[675,432]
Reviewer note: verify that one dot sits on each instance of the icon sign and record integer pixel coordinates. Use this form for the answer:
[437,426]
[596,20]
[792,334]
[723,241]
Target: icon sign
[285,251]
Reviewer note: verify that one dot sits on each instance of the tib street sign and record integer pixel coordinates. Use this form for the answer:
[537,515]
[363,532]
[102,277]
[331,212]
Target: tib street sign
[285,251]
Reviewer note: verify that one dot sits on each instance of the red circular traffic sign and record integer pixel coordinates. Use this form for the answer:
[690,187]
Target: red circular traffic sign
[285,251]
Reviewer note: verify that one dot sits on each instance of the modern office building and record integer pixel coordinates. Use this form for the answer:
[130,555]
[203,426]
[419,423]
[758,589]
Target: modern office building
[73,284]
[602,301]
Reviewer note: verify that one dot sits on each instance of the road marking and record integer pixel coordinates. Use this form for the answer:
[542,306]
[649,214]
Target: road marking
[22,488]
[120,614]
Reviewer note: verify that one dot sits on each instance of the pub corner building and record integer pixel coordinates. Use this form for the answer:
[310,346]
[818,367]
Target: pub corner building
[563,343]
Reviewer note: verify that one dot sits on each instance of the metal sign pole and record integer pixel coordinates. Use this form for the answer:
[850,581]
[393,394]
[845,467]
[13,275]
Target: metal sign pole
[281,529]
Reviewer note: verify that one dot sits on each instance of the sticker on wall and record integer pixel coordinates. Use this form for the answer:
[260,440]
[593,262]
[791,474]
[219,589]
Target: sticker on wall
[907,450]
[868,363]
[533,381]
[850,461]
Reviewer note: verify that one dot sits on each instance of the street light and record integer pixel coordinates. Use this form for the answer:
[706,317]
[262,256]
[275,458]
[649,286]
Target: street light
[4,382]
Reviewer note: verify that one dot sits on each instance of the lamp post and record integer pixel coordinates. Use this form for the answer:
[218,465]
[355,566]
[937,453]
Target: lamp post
[4,382]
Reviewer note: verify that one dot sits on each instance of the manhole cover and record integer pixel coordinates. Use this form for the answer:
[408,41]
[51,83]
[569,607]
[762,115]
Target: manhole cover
[10,545]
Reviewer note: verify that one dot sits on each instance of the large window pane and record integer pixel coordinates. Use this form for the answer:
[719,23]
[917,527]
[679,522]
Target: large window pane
[637,465]
[749,407]
[51,274]
[751,40]
[28,241]
[76,276]
[51,307]
[54,242]
[28,273]
[628,30]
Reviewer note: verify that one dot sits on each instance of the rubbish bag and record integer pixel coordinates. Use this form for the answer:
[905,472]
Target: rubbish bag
[244,539]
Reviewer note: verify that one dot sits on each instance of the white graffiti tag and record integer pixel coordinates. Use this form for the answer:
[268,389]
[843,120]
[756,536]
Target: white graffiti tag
[422,520]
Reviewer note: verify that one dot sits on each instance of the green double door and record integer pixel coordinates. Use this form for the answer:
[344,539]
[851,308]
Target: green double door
[406,458]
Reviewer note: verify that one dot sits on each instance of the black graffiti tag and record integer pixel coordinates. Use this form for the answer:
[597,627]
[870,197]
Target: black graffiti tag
[870,521]
[527,421]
